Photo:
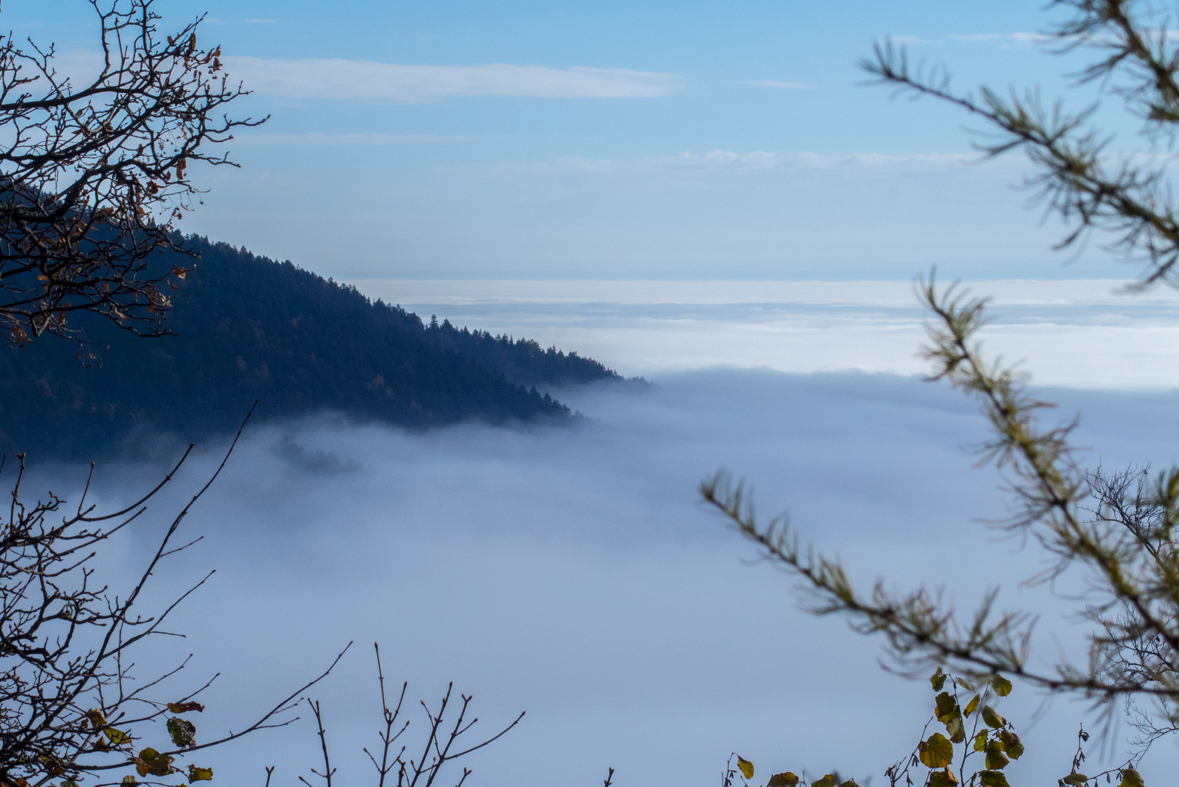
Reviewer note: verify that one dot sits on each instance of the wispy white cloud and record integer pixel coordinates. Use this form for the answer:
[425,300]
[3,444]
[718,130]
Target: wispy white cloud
[320,139]
[1006,39]
[1003,39]
[915,40]
[345,79]
[781,85]
[1155,34]
[760,160]
[718,165]
[1029,38]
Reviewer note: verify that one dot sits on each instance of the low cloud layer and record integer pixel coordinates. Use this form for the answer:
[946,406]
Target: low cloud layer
[360,79]
[572,573]
[1079,333]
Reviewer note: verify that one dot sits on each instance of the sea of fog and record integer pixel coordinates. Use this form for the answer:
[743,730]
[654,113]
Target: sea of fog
[573,573]
[1088,333]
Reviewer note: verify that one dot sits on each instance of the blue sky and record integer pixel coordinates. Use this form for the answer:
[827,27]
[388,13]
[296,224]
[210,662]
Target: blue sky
[656,140]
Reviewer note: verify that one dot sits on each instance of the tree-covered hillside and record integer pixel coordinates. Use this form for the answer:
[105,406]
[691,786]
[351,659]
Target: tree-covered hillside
[246,328]
[520,360]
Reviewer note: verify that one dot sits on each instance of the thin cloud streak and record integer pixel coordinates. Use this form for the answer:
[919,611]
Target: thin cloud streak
[320,139]
[728,161]
[915,40]
[360,79]
[1004,39]
[781,85]
[1021,39]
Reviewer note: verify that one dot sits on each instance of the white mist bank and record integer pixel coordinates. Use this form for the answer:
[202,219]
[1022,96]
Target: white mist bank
[573,573]
[1078,333]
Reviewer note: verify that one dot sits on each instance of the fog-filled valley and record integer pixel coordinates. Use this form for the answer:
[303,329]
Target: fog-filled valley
[570,571]
[605,368]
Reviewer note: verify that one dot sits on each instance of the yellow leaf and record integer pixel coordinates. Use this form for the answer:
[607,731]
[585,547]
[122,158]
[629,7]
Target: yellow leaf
[185,707]
[937,752]
[996,760]
[1001,685]
[153,762]
[947,707]
[1131,778]
[787,779]
[196,774]
[746,767]
[1011,744]
[117,737]
[992,779]
[992,718]
[943,778]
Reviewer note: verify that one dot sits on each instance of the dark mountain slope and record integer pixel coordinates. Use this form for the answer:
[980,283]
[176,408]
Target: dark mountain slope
[248,328]
[520,360]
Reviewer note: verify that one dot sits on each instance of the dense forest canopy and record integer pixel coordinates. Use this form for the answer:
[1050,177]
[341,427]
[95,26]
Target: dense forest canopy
[246,328]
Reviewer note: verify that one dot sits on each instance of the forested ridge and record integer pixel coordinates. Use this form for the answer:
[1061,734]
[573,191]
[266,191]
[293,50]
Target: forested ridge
[246,328]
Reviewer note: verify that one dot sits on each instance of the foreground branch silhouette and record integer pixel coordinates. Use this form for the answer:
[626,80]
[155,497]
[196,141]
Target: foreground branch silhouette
[71,704]
[94,170]
[1117,528]
[94,175]
[441,744]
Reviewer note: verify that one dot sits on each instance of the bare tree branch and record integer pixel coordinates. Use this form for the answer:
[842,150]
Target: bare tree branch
[94,171]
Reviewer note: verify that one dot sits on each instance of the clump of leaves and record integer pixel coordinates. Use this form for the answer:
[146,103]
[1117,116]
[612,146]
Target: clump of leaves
[949,756]
[973,727]
[744,770]
[150,762]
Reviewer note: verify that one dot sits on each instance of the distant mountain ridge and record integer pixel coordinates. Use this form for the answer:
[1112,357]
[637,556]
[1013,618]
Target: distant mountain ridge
[249,328]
